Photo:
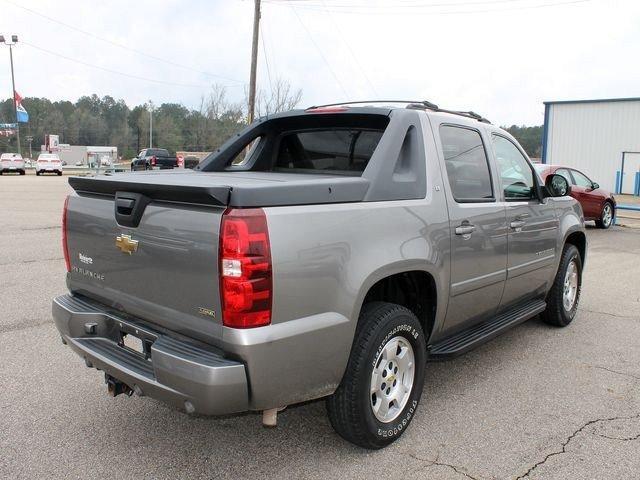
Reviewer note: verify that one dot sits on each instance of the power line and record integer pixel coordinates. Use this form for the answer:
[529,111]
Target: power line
[367,10]
[119,45]
[116,72]
[321,54]
[266,60]
[355,58]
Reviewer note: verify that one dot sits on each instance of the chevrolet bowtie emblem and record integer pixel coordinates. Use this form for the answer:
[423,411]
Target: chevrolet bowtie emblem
[126,244]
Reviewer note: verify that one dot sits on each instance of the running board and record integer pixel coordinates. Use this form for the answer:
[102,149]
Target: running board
[476,335]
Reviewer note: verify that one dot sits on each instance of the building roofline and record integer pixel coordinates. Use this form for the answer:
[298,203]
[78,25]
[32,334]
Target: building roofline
[596,100]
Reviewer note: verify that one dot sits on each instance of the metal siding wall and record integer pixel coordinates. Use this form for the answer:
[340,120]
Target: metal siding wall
[592,136]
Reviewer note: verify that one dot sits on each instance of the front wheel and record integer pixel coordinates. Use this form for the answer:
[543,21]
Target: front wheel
[382,385]
[606,217]
[563,298]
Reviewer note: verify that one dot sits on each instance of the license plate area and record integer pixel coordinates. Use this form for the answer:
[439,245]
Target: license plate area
[136,340]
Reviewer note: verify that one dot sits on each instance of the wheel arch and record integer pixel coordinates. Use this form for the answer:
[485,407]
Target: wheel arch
[412,286]
[579,240]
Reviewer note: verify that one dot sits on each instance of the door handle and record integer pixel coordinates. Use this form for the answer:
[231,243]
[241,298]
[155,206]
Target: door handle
[465,229]
[517,224]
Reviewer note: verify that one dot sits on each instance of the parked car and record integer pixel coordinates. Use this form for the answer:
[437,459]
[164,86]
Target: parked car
[153,159]
[191,161]
[48,163]
[12,163]
[597,203]
[350,246]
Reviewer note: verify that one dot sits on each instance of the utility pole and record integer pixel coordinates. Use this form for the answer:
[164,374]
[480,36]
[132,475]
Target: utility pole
[254,60]
[150,124]
[29,140]
[11,43]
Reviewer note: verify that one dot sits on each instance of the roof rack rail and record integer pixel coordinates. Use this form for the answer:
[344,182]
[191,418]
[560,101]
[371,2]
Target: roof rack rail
[423,102]
[414,104]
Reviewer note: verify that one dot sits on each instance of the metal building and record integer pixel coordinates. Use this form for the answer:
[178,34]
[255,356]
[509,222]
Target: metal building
[599,137]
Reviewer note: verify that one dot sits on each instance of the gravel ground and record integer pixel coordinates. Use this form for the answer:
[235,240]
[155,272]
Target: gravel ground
[537,402]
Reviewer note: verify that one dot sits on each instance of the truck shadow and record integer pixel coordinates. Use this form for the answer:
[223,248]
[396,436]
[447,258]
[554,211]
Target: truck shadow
[174,444]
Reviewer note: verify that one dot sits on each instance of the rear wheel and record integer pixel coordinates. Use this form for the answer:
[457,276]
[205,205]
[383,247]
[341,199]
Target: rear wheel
[563,298]
[606,217]
[37,173]
[382,385]
[22,172]
[59,174]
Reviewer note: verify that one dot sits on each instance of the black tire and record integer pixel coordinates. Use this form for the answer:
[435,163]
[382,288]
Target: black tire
[350,407]
[22,172]
[37,173]
[556,313]
[59,174]
[603,223]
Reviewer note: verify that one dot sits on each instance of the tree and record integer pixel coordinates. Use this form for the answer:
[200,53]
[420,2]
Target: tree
[279,99]
[92,120]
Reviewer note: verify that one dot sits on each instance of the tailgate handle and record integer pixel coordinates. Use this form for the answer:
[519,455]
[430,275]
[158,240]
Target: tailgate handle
[125,205]
[129,207]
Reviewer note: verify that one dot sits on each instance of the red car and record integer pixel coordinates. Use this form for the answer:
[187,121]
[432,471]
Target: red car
[597,204]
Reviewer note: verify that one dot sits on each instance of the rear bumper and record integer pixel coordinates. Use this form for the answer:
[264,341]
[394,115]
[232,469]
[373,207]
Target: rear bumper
[187,375]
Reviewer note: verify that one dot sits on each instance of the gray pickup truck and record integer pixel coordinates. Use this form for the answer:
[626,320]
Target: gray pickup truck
[330,252]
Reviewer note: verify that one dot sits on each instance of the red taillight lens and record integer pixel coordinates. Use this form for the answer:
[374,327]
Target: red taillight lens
[245,268]
[153,160]
[65,247]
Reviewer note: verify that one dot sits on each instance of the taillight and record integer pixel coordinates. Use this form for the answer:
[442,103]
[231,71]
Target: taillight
[153,160]
[65,247]
[245,268]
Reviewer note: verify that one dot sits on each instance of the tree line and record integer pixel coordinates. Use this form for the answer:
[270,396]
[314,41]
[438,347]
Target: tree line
[92,120]
[105,121]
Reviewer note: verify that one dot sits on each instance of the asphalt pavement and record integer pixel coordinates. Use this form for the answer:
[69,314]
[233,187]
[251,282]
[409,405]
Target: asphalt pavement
[537,402]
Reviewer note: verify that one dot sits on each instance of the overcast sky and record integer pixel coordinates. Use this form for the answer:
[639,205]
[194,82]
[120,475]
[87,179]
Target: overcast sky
[501,58]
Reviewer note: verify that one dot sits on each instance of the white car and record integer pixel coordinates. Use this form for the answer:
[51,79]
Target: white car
[48,163]
[11,163]
[105,161]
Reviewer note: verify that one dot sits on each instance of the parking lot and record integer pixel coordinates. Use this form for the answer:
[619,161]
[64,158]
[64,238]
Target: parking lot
[537,402]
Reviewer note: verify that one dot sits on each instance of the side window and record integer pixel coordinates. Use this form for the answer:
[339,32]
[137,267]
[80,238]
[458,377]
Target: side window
[581,179]
[565,173]
[466,162]
[247,152]
[515,171]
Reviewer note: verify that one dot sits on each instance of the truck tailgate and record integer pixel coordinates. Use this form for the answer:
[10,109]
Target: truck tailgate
[164,270]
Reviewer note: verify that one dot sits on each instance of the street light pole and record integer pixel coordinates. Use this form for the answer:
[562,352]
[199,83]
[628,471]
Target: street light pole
[14,40]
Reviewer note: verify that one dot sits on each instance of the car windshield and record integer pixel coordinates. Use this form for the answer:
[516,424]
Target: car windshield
[48,156]
[10,156]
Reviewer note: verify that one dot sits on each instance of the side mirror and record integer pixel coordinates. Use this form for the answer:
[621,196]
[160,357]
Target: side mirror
[557,186]
[595,186]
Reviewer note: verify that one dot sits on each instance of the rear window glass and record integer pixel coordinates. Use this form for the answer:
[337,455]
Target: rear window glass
[331,150]
[48,156]
[10,156]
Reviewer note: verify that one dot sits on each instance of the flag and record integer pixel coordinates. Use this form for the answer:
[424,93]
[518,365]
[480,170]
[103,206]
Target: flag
[21,113]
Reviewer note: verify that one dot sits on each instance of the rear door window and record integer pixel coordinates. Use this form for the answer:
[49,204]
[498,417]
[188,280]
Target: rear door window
[330,151]
[467,165]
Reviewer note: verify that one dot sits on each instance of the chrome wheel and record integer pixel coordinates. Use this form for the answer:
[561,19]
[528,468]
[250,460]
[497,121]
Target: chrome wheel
[570,291]
[607,215]
[392,379]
